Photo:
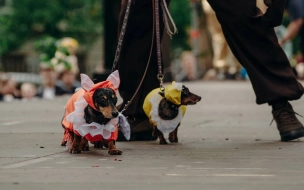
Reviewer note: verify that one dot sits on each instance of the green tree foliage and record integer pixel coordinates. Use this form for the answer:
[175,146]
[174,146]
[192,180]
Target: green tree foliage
[181,12]
[79,19]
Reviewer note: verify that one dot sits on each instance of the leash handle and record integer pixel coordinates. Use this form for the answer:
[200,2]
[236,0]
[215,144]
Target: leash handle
[121,36]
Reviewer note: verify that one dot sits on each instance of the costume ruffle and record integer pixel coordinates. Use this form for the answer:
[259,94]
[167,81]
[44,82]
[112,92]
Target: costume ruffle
[124,126]
[165,126]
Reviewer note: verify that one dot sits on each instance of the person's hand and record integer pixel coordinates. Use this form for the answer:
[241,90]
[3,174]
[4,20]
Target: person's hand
[281,43]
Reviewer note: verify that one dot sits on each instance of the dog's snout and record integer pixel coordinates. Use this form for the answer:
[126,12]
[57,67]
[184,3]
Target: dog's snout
[199,98]
[114,114]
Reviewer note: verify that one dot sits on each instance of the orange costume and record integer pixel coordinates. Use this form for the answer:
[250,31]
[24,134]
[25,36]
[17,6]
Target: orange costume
[74,114]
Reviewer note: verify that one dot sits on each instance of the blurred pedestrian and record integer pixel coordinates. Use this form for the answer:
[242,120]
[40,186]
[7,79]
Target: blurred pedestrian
[224,62]
[295,9]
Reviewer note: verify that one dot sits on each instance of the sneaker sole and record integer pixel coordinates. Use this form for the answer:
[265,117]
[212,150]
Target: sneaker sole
[292,135]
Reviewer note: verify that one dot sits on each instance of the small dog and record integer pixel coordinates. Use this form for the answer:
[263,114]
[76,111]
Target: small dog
[91,115]
[166,109]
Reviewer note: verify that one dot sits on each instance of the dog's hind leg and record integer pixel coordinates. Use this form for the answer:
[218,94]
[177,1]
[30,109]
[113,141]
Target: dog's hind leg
[65,133]
[104,143]
[112,148]
[173,135]
[64,139]
[97,144]
[84,144]
[75,149]
[160,135]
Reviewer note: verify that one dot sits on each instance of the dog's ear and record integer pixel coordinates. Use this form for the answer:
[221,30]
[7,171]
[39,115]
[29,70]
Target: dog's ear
[185,90]
[86,82]
[114,79]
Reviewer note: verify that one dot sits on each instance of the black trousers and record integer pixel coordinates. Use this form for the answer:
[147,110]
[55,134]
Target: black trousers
[135,54]
[252,39]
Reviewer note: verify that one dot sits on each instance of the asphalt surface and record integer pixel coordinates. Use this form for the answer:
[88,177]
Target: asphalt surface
[225,142]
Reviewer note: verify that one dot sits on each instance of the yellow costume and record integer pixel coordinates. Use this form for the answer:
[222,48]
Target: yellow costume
[173,94]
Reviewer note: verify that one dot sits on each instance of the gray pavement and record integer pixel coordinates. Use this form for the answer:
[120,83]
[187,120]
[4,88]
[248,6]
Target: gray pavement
[226,142]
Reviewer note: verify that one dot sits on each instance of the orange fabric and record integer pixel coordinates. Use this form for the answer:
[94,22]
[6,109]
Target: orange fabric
[88,95]
[70,108]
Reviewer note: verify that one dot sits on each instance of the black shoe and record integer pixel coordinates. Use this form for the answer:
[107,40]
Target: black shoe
[289,126]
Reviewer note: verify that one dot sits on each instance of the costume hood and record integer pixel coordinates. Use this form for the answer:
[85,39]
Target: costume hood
[173,92]
[88,85]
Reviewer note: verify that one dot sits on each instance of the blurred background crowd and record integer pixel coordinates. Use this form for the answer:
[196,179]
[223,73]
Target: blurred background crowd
[45,45]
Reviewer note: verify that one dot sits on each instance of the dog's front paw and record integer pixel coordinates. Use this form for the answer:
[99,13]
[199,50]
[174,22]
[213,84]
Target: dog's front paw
[85,148]
[63,143]
[173,139]
[75,151]
[163,141]
[115,152]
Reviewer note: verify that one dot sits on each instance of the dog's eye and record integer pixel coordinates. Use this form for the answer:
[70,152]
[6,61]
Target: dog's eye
[185,91]
[114,100]
[103,102]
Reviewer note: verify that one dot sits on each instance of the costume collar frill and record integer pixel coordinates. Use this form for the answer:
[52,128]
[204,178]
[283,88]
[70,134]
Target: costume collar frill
[93,129]
[173,94]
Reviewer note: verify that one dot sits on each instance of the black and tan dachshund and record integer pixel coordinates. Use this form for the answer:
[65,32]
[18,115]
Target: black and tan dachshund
[105,109]
[167,110]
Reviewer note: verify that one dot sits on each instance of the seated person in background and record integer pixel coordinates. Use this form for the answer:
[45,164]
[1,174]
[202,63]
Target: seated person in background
[67,82]
[60,73]
[8,88]
[48,88]
[27,91]
[188,66]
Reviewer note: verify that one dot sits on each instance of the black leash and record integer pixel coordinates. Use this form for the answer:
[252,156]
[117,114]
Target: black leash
[121,36]
[167,17]
[156,29]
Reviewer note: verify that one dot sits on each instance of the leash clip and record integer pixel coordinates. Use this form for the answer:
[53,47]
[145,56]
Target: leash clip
[160,77]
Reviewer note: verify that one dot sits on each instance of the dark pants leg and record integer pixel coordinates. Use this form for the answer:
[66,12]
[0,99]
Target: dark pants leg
[254,43]
[135,54]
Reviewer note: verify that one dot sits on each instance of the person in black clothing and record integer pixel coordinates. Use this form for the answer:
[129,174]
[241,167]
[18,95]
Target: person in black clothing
[250,35]
[134,57]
